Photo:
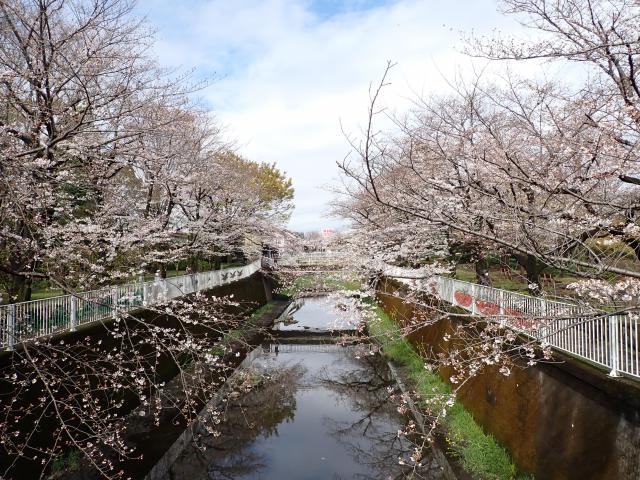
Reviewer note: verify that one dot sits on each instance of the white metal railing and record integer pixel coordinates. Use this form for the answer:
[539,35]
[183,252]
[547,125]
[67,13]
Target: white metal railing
[29,320]
[313,259]
[308,348]
[268,262]
[610,341]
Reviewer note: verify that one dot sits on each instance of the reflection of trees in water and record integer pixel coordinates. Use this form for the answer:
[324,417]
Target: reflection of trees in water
[259,412]
[288,317]
[371,437]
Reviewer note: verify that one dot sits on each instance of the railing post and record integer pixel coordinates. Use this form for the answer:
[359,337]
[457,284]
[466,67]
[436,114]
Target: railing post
[164,288]
[452,293]
[156,286]
[142,289]
[503,317]
[145,294]
[114,302]
[544,318]
[74,313]
[474,293]
[11,327]
[614,345]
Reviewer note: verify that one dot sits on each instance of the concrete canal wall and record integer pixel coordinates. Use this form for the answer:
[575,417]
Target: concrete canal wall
[564,420]
[250,293]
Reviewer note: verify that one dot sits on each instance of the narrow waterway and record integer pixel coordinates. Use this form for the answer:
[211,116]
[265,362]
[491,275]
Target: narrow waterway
[318,314]
[317,411]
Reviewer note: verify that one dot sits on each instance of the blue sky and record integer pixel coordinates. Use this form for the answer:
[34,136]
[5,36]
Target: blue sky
[289,72]
[325,9]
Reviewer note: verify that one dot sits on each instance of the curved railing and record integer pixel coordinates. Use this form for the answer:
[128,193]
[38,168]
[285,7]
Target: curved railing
[313,259]
[610,341]
[24,321]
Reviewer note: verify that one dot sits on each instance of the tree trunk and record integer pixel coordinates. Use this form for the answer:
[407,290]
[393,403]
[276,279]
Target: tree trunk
[635,245]
[193,263]
[533,268]
[482,270]
[20,289]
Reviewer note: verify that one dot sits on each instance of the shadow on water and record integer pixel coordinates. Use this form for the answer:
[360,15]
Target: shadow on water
[318,411]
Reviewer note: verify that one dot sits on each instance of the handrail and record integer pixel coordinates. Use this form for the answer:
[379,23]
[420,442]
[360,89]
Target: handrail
[24,321]
[610,341]
[307,259]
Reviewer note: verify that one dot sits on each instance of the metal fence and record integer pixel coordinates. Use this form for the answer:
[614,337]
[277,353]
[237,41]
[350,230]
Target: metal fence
[308,348]
[313,259]
[610,341]
[29,320]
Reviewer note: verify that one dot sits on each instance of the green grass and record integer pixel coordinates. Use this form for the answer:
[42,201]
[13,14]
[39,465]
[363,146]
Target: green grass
[498,279]
[46,293]
[267,307]
[479,453]
[553,282]
[65,463]
[238,333]
[224,265]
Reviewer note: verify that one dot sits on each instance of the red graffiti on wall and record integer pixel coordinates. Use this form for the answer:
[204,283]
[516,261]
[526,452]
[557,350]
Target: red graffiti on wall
[463,298]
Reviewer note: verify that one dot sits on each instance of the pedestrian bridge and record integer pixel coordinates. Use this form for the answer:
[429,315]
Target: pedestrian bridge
[313,261]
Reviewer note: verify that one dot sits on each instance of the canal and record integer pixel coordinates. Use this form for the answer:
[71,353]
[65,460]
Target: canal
[310,408]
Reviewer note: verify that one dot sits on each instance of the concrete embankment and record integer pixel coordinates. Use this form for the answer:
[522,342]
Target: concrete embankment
[564,420]
[248,294]
[252,336]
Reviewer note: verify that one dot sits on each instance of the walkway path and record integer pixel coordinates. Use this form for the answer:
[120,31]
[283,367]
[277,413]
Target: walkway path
[24,321]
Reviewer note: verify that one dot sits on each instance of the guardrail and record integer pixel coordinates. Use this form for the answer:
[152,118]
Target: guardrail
[312,259]
[24,321]
[610,341]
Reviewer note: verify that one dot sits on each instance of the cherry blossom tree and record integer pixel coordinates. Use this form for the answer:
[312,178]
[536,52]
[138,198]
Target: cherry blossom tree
[512,166]
[75,78]
[109,168]
[600,39]
[106,158]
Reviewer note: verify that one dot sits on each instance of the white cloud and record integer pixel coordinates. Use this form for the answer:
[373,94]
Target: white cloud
[289,76]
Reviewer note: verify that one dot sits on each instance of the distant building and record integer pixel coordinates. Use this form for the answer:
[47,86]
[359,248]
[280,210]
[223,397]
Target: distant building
[327,233]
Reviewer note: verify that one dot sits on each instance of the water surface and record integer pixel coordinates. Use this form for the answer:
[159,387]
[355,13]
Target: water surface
[319,314]
[321,412]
